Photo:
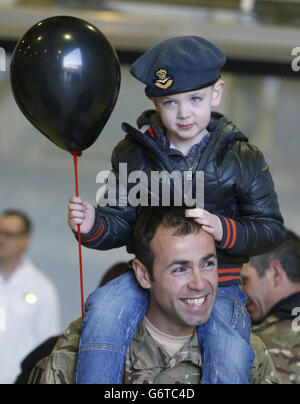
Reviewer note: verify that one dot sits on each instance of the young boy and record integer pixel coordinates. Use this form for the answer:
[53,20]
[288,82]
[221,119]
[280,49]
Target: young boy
[182,77]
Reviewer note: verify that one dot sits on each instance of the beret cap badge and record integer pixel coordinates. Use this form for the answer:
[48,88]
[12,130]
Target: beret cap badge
[164,80]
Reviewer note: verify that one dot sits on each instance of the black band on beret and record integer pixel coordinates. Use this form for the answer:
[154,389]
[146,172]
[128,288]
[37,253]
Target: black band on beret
[152,92]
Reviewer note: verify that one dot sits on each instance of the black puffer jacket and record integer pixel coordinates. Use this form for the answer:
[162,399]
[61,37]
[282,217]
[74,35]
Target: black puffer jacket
[238,187]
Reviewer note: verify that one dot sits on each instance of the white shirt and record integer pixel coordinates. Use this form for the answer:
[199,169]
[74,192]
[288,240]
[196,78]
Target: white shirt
[29,314]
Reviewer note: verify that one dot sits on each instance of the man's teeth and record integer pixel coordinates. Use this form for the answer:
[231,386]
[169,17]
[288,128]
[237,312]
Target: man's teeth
[195,302]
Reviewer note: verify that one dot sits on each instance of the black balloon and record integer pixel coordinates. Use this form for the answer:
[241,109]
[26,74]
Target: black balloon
[65,77]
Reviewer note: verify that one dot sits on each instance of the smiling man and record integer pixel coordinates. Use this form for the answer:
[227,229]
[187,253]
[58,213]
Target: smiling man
[182,279]
[176,266]
[179,268]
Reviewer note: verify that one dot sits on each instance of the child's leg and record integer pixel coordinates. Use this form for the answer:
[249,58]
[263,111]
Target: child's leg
[112,315]
[227,354]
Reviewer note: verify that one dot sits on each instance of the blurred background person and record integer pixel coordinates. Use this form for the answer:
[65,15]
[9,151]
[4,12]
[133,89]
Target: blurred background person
[29,306]
[272,283]
[46,347]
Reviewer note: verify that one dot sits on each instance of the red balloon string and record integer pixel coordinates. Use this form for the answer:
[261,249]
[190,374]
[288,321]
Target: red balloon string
[75,158]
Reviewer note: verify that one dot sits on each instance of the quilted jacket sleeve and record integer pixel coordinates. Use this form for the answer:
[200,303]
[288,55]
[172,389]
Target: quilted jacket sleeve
[113,224]
[258,226]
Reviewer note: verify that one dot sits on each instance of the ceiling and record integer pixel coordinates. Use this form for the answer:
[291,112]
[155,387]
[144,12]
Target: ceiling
[245,29]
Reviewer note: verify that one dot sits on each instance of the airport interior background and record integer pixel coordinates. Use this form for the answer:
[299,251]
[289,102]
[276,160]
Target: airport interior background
[261,98]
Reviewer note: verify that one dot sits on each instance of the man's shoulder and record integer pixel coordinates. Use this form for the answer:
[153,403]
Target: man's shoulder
[283,342]
[277,333]
[69,340]
[263,371]
[60,366]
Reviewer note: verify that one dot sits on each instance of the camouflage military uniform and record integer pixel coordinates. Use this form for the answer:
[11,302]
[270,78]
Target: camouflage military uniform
[60,366]
[144,352]
[284,346]
[148,363]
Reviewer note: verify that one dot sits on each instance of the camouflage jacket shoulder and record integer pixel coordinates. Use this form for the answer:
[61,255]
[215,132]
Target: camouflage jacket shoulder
[60,366]
[263,371]
[283,342]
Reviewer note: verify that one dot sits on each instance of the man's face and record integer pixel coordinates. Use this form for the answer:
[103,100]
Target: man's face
[13,241]
[185,280]
[258,289]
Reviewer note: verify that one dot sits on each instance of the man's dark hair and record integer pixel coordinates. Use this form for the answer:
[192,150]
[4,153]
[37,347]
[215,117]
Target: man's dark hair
[288,254]
[148,221]
[25,219]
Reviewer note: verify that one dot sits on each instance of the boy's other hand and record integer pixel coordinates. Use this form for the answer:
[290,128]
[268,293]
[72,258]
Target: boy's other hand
[81,213]
[210,223]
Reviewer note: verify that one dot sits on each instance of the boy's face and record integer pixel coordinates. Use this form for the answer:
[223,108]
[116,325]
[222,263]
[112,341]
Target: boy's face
[186,115]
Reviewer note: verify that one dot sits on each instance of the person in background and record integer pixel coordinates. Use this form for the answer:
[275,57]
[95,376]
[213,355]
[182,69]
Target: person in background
[46,347]
[272,283]
[29,305]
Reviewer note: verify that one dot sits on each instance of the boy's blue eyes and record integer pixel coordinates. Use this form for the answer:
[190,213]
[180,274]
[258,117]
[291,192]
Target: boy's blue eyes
[193,99]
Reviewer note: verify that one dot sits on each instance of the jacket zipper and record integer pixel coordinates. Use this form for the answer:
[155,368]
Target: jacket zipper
[201,161]
[191,168]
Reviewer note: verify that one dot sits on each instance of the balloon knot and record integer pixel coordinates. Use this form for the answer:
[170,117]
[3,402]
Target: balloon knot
[78,154]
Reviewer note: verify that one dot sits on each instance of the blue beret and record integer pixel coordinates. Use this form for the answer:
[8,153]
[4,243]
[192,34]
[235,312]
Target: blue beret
[178,65]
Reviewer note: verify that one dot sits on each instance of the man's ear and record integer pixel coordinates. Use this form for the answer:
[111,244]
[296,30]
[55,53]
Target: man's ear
[217,92]
[276,273]
[141,274]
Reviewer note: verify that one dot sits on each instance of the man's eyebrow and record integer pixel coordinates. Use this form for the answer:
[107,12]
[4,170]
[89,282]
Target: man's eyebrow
[207,257]
[186,262]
